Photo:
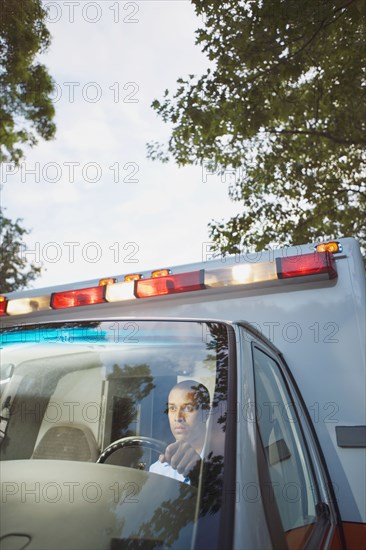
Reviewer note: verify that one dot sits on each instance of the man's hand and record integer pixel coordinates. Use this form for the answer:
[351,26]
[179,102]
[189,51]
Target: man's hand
[181,456]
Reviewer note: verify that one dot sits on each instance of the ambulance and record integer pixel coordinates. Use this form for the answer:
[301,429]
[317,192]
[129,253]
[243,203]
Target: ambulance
[276,338]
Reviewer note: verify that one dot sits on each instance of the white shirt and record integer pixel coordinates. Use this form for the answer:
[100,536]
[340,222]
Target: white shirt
[165,469]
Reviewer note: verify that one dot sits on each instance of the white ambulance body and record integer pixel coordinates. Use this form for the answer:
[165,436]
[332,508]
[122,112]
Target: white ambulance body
[278,340]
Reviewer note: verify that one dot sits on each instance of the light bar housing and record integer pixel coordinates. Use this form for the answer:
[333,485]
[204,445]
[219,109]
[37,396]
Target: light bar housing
[282,270]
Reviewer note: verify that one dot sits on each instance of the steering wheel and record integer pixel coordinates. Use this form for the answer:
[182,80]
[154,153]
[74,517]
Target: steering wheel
[132,441]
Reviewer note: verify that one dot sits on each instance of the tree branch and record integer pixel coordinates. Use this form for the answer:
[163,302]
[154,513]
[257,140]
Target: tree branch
[326,135]
[321,26]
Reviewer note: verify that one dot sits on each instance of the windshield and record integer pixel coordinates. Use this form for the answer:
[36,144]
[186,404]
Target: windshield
[113,433]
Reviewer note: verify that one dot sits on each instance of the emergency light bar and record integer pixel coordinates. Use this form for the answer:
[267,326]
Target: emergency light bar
[306,267]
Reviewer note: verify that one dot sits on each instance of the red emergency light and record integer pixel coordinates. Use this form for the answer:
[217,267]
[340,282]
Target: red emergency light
[307,264]
[171,284]
[3,303]
[80,297]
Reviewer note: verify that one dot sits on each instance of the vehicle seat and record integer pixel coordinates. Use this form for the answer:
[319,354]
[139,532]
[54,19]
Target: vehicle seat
[68,442]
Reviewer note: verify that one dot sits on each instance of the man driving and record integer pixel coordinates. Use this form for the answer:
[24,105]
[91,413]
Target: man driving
[187,403]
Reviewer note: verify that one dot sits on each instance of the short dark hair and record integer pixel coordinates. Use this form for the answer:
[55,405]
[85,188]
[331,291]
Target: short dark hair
[201,394]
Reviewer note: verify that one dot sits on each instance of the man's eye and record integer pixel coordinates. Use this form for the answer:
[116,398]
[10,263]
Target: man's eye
[188,408]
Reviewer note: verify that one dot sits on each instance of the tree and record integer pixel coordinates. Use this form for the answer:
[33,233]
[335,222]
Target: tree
[283,106]
[15,271]
[26,108]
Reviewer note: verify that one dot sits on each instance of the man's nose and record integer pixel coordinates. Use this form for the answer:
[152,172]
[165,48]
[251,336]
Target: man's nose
[179,416]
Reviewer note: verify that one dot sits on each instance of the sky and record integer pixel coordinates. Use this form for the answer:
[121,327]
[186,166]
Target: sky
[95,205]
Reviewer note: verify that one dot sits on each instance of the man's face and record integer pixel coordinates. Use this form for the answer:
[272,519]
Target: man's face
[185,418]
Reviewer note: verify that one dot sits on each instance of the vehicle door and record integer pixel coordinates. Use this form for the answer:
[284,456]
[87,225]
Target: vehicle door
[276,442]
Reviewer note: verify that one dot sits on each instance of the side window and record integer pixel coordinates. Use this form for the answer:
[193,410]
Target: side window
[291,481]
